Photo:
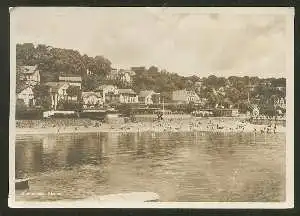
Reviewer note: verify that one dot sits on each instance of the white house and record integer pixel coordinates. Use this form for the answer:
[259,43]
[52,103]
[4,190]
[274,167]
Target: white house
[281,103]
[58,92]
[184,96]
[30,74]
[27,96]
[125,76]
[128,96]
[110,93]
[113,74]
[92,99]
[72,80]
[149,97]
[280,88]
[199,85]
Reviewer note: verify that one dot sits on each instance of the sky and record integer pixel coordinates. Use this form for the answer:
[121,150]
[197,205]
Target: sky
[187,41]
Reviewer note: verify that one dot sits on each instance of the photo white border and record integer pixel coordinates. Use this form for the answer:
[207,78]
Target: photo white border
[289,203]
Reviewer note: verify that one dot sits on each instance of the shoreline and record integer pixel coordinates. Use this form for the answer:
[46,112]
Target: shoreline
[164,126]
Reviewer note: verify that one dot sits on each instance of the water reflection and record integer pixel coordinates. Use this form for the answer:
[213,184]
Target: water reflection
[192,166]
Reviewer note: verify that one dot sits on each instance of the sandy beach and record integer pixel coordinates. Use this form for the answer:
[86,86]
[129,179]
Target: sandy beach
[166,125]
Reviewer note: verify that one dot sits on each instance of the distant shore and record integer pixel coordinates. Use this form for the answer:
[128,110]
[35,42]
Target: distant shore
[166,125]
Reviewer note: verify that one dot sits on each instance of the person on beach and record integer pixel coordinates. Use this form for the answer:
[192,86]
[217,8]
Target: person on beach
[275,127]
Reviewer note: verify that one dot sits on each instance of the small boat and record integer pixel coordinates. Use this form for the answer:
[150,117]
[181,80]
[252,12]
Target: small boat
[22,184]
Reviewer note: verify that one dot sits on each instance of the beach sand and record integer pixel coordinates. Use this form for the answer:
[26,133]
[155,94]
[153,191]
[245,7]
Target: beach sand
[166,125]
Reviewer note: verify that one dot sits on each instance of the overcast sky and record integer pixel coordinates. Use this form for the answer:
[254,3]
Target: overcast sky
[186,41]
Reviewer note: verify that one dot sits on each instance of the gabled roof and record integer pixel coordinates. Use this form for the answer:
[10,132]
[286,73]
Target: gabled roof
[130,72]
[126,91]
[146,93]
[27,69]
[55,86]
[87,94]
[70,78]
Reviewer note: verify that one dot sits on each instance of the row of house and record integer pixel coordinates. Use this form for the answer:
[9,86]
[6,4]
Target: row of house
[109,94]
[104,94]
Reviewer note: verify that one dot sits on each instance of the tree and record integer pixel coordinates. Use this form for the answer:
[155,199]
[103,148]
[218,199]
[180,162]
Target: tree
[73,91]
[153,70]
[20,105]
[233,80]
[41,93]
[190,107]
[103,65]
[20,80]
[221,81]
[233,95]
[25,54]
[254,80]
[211,81]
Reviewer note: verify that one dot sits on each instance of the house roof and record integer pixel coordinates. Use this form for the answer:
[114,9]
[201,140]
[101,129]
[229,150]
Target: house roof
[87,94]
[27,69]
[126,91]
[54,85]
[130,72]
[21,88]
[146,93]
[70,78]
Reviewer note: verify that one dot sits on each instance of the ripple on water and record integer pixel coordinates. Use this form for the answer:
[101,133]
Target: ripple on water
[192,166]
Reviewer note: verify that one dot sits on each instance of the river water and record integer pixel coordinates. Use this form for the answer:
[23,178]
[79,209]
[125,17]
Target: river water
[193,166]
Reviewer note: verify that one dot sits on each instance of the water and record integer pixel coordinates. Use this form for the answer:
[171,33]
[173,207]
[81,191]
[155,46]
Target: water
[194,166]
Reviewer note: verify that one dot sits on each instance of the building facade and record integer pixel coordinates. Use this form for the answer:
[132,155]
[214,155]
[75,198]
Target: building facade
[58,93]
[30,75]
[126,76]
[281,103]
[149,97]
[27,96]
[71,80]
[184,96]
[122,75]
[110,93]
[128,96]
[92,100]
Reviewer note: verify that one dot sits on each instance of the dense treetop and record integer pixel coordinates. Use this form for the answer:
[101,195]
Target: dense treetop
[232,91]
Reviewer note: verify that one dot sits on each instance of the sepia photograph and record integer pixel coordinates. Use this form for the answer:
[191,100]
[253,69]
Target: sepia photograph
[151,107]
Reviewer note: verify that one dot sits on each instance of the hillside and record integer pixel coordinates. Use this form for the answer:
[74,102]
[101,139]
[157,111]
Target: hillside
[231,91]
